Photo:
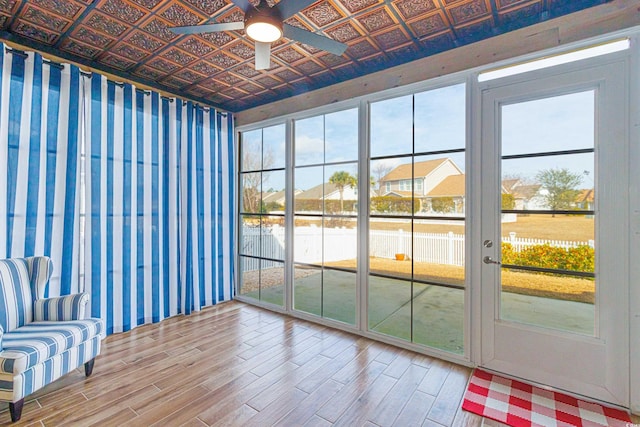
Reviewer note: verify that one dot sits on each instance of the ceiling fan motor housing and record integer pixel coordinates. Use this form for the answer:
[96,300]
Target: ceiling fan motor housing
[262,20]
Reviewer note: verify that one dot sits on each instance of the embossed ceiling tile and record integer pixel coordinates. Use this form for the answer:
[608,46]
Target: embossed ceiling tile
[251,87]
[475,31]
[116,61]
[35,33]
[180,15]
[105,24]
[332,60]
[526,14]
[219,38]
[7,5]
[429,25]
[227,78]
[468,11]
[149,4]
[391,39]
[412,8]
[4,19]
[145,41]
[64,8]
[343,32]
[212,85]
[309,67]
[357,5]
[121,10]
[203,67]
[222,60]
[233,93]
[162,65]
[268,81]
[44,19]
[242,50]
[323,13]
[376,20]
[189,75]
[234,15]
[210,7]
[80,49]
[159,28]
[128,52]
[174,82]
[246,71]
[178,56]
[289,55]
[361,49]
[148,73]
[196,46]
[295,22]
[288,75]
[93,38]
[438,42]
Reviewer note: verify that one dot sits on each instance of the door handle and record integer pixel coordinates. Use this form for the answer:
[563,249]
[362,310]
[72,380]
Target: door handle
[489,260]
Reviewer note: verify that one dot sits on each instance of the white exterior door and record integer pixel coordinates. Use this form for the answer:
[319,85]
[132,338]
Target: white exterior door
[554,221]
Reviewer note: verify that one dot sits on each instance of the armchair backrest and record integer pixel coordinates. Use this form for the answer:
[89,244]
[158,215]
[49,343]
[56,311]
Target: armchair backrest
[16,302]
[40,270]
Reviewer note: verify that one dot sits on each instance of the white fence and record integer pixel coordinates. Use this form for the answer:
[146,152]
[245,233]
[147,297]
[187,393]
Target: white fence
[314,245]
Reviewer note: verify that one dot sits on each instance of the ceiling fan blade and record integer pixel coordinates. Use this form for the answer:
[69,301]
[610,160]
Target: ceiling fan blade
[288,8]
[263,55]
[313,39]
[209,28]
[242,4]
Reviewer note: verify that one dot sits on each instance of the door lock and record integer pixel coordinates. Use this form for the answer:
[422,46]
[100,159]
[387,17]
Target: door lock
[489,260]
[487,243]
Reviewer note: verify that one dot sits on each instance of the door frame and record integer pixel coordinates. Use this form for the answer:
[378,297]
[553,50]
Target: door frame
[485,297]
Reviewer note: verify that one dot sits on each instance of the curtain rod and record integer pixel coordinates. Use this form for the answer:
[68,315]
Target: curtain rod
[57,65]
[20,53]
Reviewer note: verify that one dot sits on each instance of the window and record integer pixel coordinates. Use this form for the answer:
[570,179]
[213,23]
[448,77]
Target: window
[262,204]
[325,215]
[416,245]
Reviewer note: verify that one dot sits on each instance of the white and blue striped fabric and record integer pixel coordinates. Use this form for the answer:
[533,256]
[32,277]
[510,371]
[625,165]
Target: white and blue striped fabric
[39,116]
[130,193]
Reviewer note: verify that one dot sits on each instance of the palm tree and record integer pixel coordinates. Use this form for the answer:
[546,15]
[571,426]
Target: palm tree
[342,179]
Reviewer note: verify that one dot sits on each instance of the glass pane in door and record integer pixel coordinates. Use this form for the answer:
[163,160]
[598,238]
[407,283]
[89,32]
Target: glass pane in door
[548,212]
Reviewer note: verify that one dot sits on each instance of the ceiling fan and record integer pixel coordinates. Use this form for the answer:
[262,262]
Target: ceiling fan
[265,25]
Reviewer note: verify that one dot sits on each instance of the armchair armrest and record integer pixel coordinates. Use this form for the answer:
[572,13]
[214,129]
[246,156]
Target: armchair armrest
[68,307]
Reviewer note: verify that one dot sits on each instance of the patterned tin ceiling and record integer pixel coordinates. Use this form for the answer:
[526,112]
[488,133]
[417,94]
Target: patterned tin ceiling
[131,39]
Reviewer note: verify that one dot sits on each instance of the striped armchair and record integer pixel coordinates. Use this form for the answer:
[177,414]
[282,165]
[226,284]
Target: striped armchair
[41,339]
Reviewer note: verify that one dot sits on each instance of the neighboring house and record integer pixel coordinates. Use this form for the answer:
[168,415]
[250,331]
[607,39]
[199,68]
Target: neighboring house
[328,191]
[585,199]
[526,196]
[448,196]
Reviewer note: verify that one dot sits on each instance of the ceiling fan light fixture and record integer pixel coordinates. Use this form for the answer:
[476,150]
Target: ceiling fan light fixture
[265,32]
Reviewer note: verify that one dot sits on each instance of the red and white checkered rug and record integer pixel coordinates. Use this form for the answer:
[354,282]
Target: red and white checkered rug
[518,404]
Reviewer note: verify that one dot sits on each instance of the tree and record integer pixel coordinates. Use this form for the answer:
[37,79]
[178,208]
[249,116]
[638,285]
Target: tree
[380,170]
[508,201]
[342,179]
[561,186]
[255,161]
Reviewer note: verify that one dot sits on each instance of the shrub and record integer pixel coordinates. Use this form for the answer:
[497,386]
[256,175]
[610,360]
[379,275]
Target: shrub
[391,204]
[580,258]
[508,201]
[443,204]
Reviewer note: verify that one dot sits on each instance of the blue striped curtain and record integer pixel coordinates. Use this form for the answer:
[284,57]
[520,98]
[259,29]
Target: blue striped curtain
[39,163]
[130,193]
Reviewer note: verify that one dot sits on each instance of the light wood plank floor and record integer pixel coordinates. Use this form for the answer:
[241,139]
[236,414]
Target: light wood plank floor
[234,364]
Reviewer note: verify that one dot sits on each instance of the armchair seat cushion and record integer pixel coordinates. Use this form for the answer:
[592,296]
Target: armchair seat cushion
[36,342]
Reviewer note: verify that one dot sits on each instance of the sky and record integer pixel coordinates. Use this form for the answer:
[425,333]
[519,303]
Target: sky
[435,120]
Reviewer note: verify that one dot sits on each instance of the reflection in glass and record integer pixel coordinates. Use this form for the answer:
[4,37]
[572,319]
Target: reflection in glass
[390,307]
[273,143]
[309,141]
[438,252]
[339,295]
[250,236]
[341,136]
[307,289]
[251,192]
[307,240]
[272,238]
[562,122]
[563,182]
[440,122]
[391,126]
[390,249]
[438,317]
[252,150]
[341,195]
[309,194]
